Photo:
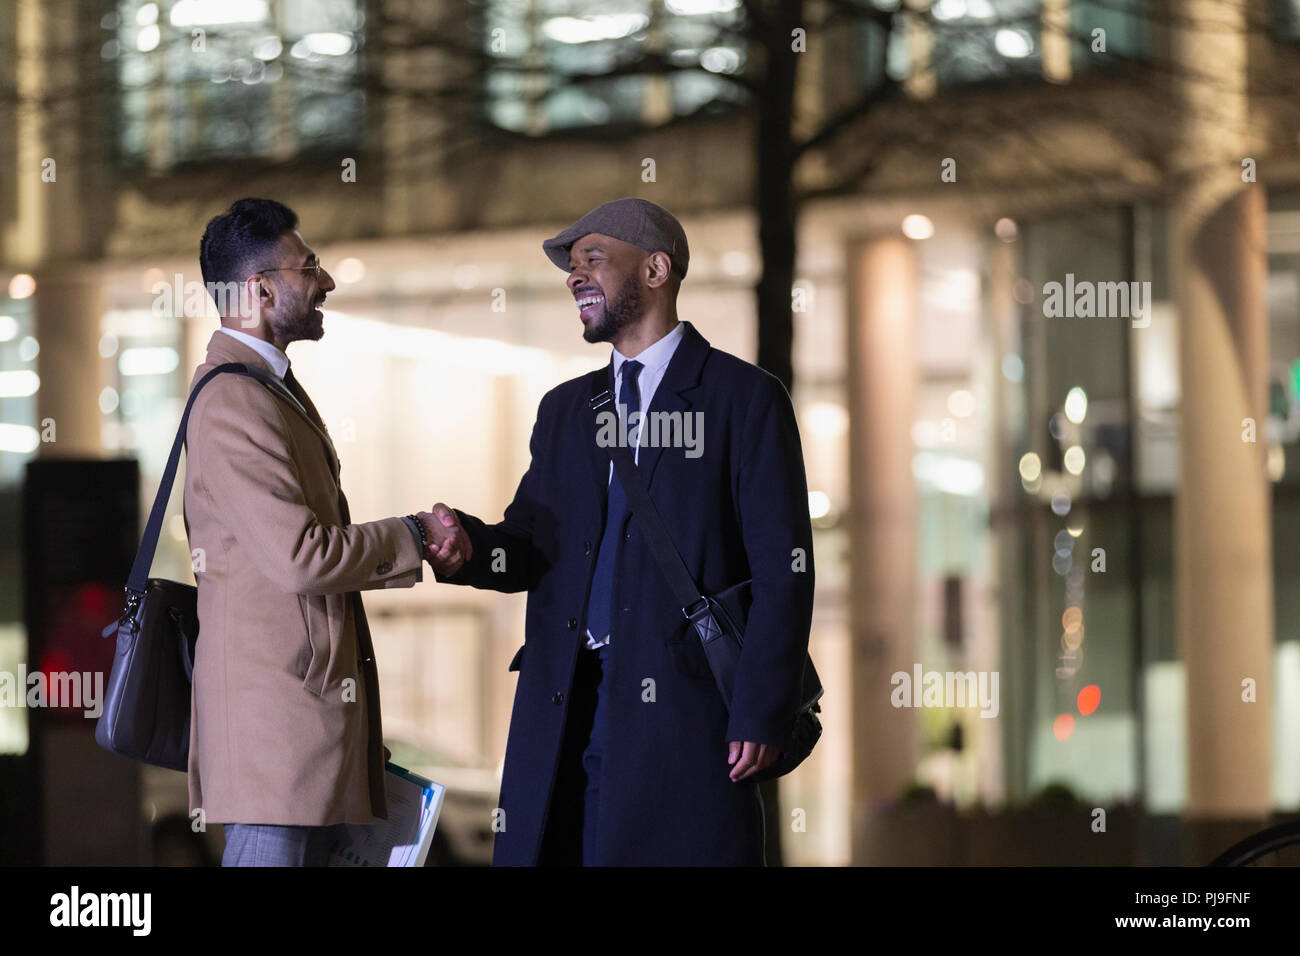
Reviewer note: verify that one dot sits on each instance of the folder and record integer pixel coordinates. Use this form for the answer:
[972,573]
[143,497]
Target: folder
[405,837]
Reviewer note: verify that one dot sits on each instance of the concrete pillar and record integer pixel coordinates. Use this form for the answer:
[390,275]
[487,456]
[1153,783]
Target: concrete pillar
[1224,568]
[59,191]
[59,178]
[882,374]
[67,308]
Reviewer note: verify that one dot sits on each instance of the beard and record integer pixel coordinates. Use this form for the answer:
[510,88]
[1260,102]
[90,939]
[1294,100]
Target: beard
[618,314]
[298,322]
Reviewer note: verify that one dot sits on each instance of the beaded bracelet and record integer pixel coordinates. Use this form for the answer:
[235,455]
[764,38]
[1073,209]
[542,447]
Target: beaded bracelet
[424,535]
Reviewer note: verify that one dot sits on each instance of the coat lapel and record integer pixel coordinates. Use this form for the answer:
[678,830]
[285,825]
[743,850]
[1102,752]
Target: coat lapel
[303,400]
[682,375]
[597,457]
[224,348]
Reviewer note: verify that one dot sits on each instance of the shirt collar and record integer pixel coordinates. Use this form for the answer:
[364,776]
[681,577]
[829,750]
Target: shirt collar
[654,357]
[278,361]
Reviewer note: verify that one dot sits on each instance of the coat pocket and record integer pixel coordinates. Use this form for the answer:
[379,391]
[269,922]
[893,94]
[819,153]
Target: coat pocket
[315,657]
[517,661]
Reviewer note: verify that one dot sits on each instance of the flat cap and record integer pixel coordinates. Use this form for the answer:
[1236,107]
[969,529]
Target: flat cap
[638,221]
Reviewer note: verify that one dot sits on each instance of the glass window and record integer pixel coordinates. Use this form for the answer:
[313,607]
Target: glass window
[544,47]
[1125,31]
[1284,402]
[145,384]
[1067,519]
[19,440]
[206,79]
[965,40]
[19,437]
[982,39]
[1286,19]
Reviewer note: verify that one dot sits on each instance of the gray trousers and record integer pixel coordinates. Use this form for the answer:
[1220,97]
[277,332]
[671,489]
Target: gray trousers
[264,844]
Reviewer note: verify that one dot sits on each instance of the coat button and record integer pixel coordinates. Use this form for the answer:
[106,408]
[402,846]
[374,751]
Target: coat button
[558,698]
[586,547]
[385,568]
[573,623]
[627,535]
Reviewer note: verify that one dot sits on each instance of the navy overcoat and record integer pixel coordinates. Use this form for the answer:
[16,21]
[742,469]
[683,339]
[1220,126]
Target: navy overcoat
[737,506]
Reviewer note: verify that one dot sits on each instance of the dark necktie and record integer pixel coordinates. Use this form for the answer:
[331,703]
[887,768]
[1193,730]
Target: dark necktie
[296,390]
[602,583]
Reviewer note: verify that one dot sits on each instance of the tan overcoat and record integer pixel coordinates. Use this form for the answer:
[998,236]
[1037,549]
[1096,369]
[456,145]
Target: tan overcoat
[285,725]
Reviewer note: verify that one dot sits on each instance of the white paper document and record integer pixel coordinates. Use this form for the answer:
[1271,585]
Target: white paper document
[405,837]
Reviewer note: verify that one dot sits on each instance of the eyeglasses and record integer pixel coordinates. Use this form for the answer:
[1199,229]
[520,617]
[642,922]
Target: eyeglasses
[314,269]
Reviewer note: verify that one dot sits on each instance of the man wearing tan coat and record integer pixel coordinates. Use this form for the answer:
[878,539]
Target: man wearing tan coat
[286,742]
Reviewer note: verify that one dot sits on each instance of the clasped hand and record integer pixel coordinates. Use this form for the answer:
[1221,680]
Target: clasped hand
[448,544]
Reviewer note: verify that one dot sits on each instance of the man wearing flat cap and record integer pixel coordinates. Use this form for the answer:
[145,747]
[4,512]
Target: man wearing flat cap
[622,750]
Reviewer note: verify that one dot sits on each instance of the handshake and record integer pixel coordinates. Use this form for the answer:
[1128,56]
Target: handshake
[448,545]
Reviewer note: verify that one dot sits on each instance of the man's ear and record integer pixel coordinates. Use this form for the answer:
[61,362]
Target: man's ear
[658,268]
[255,295]
[259,290]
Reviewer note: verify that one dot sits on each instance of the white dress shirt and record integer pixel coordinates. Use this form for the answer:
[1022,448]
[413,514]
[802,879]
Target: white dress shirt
[654,362]
[278,361]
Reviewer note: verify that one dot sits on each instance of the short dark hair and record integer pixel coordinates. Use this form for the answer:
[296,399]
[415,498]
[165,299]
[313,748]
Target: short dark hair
[234,241]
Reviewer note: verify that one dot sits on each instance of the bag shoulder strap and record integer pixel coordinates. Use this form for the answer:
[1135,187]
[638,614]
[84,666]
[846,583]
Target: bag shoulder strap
[136,583]
[666,555]
[723,655]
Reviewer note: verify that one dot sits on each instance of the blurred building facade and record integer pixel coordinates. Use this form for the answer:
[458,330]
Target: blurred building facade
[1084,493]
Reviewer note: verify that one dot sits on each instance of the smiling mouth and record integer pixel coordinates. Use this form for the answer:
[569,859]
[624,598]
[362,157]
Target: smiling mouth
[589,302]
